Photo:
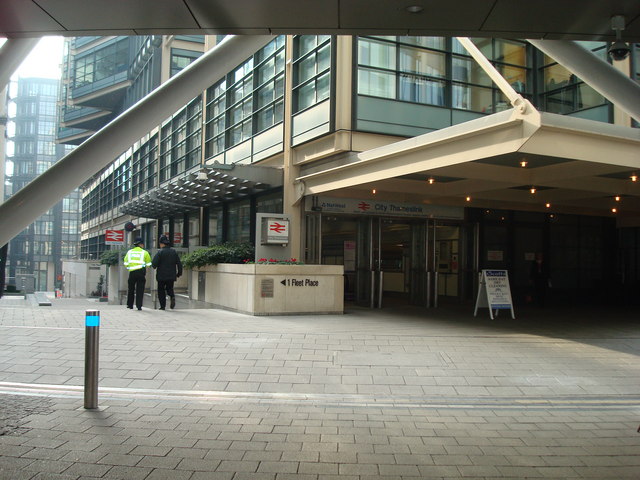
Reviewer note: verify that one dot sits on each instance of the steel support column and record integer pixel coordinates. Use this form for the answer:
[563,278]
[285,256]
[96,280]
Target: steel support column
[600,75]
[103,147]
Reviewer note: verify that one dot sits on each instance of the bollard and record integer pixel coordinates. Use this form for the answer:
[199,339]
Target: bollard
[92,330]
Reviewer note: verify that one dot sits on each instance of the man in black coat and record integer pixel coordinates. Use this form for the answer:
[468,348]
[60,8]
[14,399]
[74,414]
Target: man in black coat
[168,268]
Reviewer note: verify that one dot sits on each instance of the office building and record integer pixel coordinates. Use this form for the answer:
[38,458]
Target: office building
[403,158]
[34,259]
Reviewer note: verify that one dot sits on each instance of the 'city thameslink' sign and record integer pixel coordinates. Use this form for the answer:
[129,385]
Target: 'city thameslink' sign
[374,207]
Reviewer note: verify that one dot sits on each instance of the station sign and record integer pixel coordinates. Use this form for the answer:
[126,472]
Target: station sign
[374,207]
[114,237]
[275,231]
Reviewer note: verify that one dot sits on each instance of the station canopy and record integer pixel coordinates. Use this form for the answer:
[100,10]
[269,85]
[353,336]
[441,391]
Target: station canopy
[208,186]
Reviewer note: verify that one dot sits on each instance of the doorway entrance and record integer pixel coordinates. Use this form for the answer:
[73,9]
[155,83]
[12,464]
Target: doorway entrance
[393,261]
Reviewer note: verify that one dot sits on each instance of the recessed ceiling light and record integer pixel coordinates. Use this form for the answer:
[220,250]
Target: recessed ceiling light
[431,180]
[414,8]
[532,189]
[523,163]
[548,205]
[468,199]
[634,178]
[617,198]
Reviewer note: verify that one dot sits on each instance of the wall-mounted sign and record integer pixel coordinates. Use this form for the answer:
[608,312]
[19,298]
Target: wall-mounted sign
[275,231]
[494,292]
[495,255]
[114,237]
[375,207]
[300,282]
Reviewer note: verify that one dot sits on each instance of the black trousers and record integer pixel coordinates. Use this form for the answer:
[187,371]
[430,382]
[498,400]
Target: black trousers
[165,287]
[137,280]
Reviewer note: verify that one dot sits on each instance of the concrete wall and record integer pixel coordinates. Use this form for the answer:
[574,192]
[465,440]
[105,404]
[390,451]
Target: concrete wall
[81,277]
[271,289]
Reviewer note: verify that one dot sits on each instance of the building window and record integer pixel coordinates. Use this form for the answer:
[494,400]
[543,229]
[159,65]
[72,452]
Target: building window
[181,58]
[180,140]
[437,71]
[561,91]
[215,226]
[247,101]
[239,222]
[105,61]
[312,71]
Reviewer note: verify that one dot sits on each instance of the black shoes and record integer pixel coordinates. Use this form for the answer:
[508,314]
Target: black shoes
[173,302]
[139,308]
[161,308]
[131,308]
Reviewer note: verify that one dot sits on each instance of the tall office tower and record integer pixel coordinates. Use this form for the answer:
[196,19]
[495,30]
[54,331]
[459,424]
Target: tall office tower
[35,255]
[104,76]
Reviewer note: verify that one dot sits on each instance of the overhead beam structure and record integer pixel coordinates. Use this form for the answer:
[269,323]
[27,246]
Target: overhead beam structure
[12,54]
[104,146]
[600,75]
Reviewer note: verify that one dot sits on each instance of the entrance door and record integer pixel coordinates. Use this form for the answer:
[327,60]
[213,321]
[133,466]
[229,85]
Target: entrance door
[446,261]
[365,264]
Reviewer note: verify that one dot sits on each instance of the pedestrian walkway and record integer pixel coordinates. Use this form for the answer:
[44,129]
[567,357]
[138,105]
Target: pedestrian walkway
[399,393]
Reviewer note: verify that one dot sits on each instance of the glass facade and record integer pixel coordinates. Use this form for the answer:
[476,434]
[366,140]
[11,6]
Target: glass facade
[312,71]
[31,133]
[247,101]
[563,92]
[438,71]
[111,58]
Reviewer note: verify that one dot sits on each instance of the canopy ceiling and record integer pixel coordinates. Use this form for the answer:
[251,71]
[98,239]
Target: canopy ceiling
[550,19]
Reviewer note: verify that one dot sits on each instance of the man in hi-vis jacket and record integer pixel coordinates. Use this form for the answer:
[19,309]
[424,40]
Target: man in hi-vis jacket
[137,260]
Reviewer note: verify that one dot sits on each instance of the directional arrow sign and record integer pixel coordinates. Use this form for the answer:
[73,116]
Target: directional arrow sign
[283,282]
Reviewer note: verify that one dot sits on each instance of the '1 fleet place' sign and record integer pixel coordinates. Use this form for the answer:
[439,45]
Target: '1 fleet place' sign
[294,282]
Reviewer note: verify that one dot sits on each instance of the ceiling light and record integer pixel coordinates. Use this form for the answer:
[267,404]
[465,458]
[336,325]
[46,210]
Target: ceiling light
[468,199]
[431,180]
[523,163]
[414,8]
[532,190]
[548,205]
[617,198]
[614,210]
[634,178]
[373,191]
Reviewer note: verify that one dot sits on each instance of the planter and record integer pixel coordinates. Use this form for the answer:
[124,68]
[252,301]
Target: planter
[259,289]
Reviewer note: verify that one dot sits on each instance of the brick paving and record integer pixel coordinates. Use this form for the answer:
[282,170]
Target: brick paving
[398,393]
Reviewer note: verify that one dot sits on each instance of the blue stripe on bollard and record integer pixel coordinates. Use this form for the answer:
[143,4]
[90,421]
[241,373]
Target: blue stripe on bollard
[92,318]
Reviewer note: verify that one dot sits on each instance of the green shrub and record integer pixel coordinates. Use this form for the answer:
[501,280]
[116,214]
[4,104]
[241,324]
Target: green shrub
[230,252]
[112,257]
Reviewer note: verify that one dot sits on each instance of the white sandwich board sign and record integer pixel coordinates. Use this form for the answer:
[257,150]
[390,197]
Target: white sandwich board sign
[494,292]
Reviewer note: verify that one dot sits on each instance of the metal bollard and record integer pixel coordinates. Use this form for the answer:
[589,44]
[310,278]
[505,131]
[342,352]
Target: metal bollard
[92,330]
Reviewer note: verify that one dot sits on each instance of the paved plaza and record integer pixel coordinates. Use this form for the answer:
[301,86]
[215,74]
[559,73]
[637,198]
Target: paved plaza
[397,393]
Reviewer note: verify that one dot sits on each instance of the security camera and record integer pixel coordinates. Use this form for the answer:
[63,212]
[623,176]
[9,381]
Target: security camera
[619,50]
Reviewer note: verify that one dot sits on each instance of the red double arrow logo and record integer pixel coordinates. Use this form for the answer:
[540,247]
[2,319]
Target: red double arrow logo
[277,227]
[114,235]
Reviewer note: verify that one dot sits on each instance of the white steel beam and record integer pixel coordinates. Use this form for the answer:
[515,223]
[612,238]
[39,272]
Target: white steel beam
[12,54]
[107,144]
[600,75]
[517,101]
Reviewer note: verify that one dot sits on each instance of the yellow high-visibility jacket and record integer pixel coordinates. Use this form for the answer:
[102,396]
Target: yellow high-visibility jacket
[137,258]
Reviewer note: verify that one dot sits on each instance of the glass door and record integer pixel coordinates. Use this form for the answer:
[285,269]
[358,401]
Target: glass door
[365,264]
[418,259]
[447,261]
